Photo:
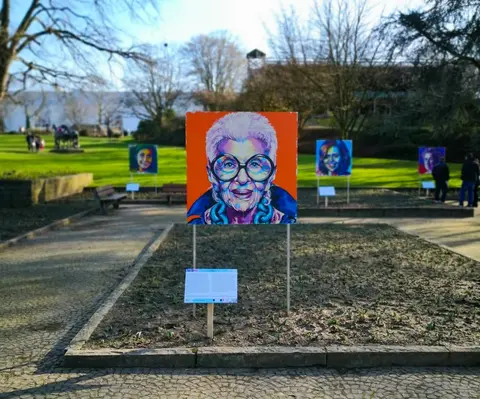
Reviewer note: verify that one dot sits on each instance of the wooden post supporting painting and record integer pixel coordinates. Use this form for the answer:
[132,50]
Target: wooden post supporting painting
[194,266]
[318,195]
[288,268]
[209,320]
[156,191]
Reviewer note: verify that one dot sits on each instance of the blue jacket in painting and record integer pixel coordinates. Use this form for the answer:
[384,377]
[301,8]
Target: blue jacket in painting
[280,200]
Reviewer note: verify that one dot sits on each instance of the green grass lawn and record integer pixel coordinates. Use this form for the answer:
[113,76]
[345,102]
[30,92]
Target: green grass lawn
[108,161]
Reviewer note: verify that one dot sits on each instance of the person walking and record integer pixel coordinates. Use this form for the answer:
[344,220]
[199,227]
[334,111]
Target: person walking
[441,175]
[470,176]
[475,189]
[29,139]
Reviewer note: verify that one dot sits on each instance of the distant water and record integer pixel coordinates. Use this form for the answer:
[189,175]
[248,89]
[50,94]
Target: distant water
[54,111]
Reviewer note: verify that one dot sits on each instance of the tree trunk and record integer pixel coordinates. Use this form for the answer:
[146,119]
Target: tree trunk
[159,117]
[4,65]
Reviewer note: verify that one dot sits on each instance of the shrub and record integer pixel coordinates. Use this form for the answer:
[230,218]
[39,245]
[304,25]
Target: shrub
[171,133]
[83,132]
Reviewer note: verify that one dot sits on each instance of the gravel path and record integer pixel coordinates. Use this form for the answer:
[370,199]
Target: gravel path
[50,286]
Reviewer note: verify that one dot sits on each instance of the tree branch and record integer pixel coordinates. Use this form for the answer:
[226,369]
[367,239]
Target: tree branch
[5,15]
[26,22]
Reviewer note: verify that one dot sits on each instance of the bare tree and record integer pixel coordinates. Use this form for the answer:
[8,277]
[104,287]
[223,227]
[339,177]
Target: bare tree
[155,86]
[75,109]
[60,41]
[109,104]
[217,66]
[338,53]
[33,104]
[282,88]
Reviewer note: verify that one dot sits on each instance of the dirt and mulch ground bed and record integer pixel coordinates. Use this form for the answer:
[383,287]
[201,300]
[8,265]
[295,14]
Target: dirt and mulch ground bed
[350,284]
[18,221]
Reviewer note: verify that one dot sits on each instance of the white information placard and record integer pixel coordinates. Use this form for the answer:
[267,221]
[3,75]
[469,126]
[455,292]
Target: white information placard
[326,191]
[210,286]
[133,187]
[428,185]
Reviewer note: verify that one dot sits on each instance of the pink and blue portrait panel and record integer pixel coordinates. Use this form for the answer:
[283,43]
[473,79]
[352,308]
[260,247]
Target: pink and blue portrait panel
[428,157]
[241,167]
[334,157]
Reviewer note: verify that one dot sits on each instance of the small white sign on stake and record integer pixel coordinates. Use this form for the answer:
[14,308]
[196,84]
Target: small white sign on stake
[211,286]
[326,191]
[428,185]
[133,187]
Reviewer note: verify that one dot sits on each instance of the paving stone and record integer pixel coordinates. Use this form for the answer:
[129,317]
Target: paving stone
[49,287]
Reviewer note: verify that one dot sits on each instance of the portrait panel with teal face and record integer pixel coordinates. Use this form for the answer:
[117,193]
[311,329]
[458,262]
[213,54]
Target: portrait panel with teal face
[143,158]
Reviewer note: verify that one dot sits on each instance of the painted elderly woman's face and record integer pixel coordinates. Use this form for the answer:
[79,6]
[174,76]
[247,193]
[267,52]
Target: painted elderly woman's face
[243,172]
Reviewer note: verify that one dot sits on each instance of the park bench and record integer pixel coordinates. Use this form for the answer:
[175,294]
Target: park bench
[171,191]
[106,195]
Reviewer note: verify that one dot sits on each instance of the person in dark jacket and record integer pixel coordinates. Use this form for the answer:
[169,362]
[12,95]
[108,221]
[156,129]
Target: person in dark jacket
[441,175]
[470,176]
[475,190]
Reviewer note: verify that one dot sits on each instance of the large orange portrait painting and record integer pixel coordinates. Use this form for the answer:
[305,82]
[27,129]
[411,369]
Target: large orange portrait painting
[241,167]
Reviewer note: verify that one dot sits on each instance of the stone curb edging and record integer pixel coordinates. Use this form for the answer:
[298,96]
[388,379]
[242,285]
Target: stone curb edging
[278,357]
[430,241]
[410,212]
[84,334]
[35,233]
[129,201]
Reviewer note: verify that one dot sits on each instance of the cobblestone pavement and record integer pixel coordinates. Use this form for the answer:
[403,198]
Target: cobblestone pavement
[49,287]
[281,383]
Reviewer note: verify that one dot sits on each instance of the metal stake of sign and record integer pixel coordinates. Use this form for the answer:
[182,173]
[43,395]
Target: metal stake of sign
[326,202]
[131,179]
[428,192]
[318,195]
[194,260]
[348,189]
[288,268]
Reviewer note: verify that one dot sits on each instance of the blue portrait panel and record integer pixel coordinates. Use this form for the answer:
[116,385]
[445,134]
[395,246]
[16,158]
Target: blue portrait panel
[428,157]
[334,157]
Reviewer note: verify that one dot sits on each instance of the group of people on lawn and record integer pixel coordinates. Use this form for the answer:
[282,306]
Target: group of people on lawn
[35,143]
[470,180]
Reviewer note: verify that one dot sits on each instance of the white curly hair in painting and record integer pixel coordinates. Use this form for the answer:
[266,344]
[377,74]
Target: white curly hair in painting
[241,126]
